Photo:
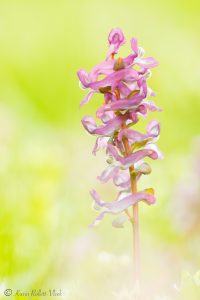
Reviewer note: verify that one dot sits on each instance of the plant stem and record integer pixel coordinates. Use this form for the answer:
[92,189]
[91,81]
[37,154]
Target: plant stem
[136,236]
[135,223]
[135,219]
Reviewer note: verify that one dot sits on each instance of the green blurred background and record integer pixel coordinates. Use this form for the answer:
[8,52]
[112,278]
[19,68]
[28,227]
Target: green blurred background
[46,166]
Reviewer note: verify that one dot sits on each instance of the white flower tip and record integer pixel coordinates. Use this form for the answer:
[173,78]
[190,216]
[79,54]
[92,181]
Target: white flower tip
[140,51]
[94,224]
[95,206]
[81,86]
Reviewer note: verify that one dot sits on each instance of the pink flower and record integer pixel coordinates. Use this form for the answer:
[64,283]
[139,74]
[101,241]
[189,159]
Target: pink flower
[116,39]
[106,130]
[131,159]
[118,205]
[122,82]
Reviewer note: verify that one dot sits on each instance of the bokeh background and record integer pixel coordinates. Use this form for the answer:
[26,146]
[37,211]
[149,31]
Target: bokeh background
[46,166]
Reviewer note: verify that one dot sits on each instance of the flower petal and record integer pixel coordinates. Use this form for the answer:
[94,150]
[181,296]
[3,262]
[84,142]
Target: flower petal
[142,109]
[106,130]
[131,159]
[153,128]
[122,179]
[148,62]
[134,46]
[136,156]
[116,39]
[119,206]
[101,142]
[124,89]
[122,204]
[87,98]
[132,135]
[115,77]
[105,116]
[151,106]
[98,219]
[111,150]
[154,148]
[124,104]
[89,124]
[104,68]
[83,77]
[108,173]
[110,126]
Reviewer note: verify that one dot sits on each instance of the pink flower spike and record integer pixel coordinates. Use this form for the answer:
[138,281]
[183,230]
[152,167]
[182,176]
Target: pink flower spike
[122,85]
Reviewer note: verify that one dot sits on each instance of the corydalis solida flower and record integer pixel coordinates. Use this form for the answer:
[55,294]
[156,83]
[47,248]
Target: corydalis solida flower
[123,85]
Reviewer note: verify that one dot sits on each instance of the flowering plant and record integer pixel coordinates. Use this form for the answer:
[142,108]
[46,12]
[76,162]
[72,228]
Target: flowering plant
[123,84]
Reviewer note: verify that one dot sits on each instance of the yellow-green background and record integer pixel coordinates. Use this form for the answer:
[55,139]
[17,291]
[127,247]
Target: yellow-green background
[46,166]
